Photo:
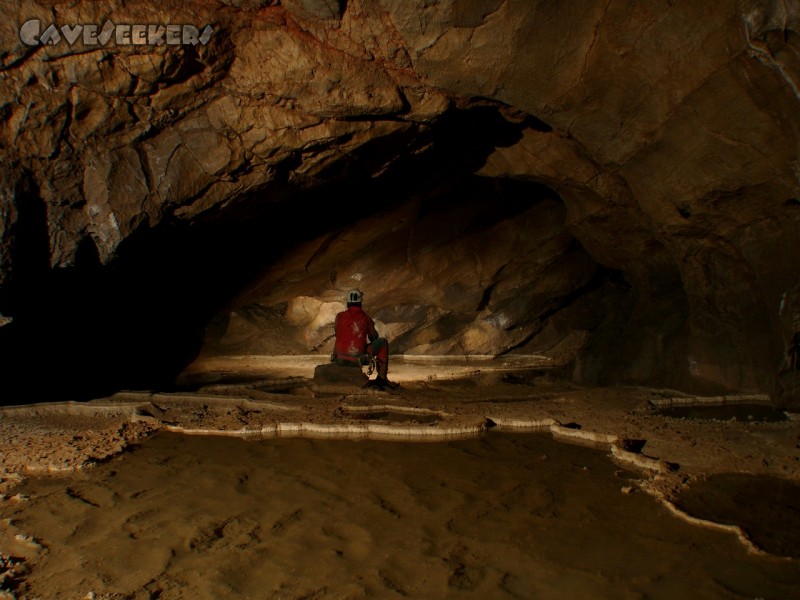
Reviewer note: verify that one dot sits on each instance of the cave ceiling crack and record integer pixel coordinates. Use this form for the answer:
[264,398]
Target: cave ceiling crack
[22,60]
[184,203]
[651,134]
[506,67]
[394,40]
[166,166]
[682,103]
[654,23]
[486,17]
[594,41]
[315,41]
[62,136]
[732,141]
[20,127]
[146,178]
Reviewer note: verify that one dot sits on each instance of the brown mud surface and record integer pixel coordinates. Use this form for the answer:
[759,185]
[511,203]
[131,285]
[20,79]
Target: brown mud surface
[102,499]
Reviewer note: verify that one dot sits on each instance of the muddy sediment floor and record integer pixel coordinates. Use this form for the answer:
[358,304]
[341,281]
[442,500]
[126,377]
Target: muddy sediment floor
[112,498]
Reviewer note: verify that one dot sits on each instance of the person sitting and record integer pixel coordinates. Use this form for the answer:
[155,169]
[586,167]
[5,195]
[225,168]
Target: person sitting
[357,341]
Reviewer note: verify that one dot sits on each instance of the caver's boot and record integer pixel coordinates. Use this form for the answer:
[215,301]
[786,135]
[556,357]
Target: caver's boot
[381,382]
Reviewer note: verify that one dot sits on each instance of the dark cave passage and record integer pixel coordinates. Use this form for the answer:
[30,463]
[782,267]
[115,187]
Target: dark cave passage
[134,323]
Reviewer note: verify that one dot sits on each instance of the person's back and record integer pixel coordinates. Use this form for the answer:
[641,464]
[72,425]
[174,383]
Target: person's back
[354,328]
[357,340]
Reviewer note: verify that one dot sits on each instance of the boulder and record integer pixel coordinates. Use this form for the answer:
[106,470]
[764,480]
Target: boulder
[338,376]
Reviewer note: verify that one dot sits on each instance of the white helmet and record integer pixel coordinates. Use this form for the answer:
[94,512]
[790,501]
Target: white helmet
[354,296]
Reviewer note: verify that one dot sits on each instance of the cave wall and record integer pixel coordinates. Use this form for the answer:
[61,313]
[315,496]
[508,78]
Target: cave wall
[474,267]
[667,130]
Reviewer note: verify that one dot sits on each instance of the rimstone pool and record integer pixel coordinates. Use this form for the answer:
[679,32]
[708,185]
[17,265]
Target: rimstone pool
[499,516]
[490,482]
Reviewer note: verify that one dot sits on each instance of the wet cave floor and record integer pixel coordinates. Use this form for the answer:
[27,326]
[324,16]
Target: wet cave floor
[495,481]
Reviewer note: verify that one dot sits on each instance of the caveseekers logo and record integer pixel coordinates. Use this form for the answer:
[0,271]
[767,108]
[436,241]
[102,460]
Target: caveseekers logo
[32,34]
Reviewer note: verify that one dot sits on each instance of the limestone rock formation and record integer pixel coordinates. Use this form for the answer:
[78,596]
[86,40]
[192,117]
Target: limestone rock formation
[330,375]
[477,270]
[505,175]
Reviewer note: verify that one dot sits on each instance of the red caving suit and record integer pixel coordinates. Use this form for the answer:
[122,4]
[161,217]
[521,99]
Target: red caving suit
[356,338]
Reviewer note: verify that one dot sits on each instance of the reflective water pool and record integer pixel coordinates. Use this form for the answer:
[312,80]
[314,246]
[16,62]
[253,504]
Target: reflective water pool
[502,516]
